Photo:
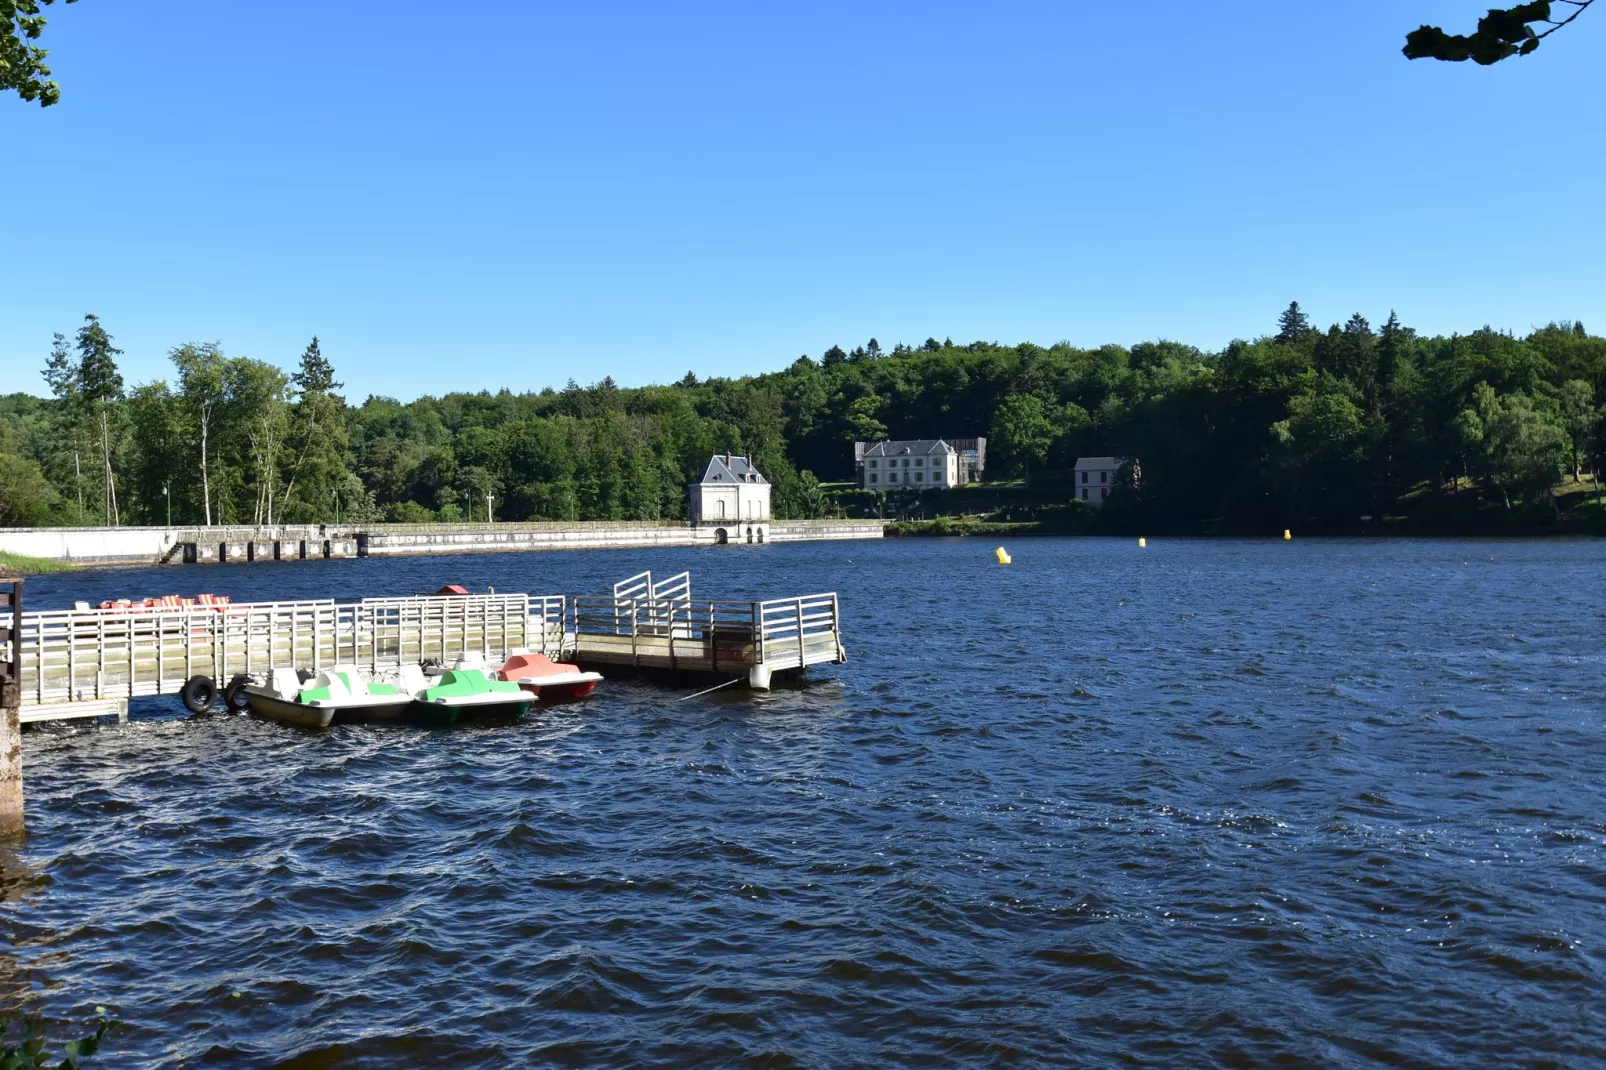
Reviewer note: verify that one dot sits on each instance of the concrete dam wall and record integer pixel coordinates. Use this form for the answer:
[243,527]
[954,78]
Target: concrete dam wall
[301,542]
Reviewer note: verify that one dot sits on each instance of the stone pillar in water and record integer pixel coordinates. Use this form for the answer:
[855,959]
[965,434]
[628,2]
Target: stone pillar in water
[10,701]
[10,773]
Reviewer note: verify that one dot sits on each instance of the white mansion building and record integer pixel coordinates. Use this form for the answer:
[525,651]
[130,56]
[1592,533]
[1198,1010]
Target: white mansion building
[919,463]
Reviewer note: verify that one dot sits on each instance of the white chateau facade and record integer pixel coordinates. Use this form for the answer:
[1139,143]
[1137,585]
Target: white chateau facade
[915,464]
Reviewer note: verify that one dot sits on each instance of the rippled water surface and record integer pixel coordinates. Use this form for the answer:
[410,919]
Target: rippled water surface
[1209,802]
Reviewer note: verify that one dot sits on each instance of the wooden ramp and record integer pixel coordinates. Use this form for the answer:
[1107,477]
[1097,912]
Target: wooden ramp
[659,626]
[70,663]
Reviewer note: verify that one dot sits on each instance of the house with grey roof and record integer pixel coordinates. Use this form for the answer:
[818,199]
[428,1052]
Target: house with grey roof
[731,493]
[913,464]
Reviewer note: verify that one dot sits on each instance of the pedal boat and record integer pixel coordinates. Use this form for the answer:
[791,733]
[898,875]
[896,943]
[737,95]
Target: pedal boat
[551,681]
[469,692]
[342,693]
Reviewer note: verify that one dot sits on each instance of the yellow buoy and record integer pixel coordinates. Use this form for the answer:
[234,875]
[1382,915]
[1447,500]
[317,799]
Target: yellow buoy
[1287,534]
[1003,556]
[1142,542]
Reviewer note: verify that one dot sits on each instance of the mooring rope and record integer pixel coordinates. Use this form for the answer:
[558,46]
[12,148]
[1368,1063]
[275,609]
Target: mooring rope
[716,687]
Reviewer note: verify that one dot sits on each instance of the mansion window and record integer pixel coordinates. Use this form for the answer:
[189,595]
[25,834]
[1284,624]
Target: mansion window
[1084,480]
[872,477]
[872,464]
[920,477]
[892,477]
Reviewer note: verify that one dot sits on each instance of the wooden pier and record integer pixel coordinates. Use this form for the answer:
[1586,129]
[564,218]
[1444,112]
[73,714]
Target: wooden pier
[647,625]
[88,663]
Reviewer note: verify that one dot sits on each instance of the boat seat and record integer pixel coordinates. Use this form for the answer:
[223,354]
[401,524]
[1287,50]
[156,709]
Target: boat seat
[356,682]
[411,679]
[328,682]
[285,682]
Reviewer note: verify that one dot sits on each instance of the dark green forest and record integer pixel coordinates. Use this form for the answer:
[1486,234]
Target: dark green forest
[1301,427]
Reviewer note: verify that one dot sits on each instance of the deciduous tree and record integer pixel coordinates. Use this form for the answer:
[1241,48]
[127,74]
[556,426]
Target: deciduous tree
[1502,33]
[22,62]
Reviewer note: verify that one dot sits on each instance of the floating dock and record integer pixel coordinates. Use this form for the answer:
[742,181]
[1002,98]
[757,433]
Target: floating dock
[89,662]
[647,625]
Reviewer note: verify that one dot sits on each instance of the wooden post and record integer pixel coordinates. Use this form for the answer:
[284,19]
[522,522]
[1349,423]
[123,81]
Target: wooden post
[10,703]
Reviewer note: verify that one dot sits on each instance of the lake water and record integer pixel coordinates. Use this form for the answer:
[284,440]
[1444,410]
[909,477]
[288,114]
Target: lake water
[1235,802]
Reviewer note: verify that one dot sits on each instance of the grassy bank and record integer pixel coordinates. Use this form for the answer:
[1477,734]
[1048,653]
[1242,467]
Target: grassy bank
[22,565]
[948,525]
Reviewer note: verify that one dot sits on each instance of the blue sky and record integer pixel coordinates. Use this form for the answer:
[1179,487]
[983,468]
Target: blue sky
[508,193]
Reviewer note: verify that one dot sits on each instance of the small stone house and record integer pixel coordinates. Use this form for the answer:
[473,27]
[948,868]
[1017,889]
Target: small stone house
[912,465]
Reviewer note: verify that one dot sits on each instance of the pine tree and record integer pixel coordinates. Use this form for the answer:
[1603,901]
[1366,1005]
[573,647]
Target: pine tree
[100,385]
[317,375]
[833,357]
[322,438]
[61,373]
[1293,325]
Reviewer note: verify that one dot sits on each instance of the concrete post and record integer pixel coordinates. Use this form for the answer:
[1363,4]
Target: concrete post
[10,700]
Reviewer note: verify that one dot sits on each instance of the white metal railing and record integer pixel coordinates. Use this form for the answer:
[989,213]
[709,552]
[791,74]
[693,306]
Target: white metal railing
[800,631]
[782,633]
[81,655]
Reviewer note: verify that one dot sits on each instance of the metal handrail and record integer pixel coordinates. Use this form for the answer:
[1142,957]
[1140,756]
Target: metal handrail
[71,655]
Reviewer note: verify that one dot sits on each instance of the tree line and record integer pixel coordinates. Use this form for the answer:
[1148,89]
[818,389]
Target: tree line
[1300,426]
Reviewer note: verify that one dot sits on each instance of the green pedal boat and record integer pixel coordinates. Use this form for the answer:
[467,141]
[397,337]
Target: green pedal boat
[470,692]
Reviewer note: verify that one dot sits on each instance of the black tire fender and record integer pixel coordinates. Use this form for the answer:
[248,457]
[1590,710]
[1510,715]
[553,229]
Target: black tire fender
[198,694]
[234,699]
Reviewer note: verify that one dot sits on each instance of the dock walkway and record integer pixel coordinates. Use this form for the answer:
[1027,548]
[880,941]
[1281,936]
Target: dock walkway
[90,662]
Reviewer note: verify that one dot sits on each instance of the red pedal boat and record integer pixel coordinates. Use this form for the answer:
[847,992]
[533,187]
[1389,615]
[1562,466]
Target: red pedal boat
[552,681]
